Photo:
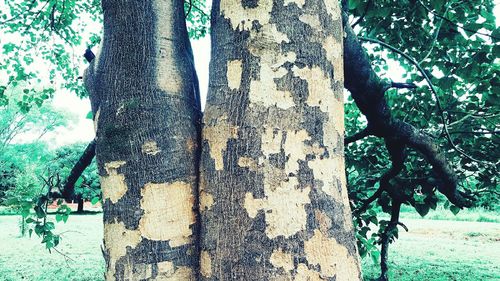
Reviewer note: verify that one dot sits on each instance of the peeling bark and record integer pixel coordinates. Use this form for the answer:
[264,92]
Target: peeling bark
[272,183]
[144,95]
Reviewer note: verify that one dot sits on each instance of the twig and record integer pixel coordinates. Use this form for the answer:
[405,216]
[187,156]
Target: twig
[399,85]
[357,136]
[436,34]
[189,10]
[360,19]
[454,23]
[433,90]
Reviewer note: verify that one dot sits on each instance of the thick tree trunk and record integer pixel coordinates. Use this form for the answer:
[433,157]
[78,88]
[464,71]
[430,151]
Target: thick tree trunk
[273,196]
[144,94]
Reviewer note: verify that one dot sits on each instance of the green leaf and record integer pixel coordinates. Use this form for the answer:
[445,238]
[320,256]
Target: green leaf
[95,200]
[454,209]
[90,115]
[422,209]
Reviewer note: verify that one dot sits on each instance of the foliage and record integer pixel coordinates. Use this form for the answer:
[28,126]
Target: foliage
[457,43]
[63,160]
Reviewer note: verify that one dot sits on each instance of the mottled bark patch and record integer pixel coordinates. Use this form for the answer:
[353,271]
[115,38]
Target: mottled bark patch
[167,271]
[217,136]
[234,70]
[206,201]
[247,162]
[241,18]
[281,219]
[117,239]
[168,206]
[280,259]
[150,147]
[205,264]
[113,185]
[332,257]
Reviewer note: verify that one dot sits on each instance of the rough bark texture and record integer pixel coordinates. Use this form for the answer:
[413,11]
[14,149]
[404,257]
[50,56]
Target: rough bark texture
[144,95]
[273,197]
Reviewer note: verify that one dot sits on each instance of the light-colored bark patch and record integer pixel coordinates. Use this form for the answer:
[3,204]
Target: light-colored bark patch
[280,259]
[247,162]
[168,272]
[205,264]
[150,147]
[117,239]
[322,95]
[241,18]
[295,149]
[325,171]
[271,141]
[217,136]
[311,20]
[306,274]
[332,257]
[264,91]
[206,201]
[234,71]
[319,87]
[168,75]
[168,212]
[96,118]
[333,48]
[333,8]
[324,222]
[333,128]
[281,218]
[113,185]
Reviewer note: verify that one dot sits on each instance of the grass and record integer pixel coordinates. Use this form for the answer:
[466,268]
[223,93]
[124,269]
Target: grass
[474,214]
[431,251]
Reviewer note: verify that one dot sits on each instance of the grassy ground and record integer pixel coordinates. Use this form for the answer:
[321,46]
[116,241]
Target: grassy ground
[433,250]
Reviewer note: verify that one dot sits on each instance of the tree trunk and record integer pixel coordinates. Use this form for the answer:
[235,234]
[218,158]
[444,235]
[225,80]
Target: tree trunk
[144,94]
[273,196]
[79,208]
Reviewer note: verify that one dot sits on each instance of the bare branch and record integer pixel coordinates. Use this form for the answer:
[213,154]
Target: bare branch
[357,136]
[80,166]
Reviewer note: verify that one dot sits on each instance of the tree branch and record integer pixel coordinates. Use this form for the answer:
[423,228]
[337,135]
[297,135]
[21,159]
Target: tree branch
[367,90]
[357,136]
[80,166]
[454,23]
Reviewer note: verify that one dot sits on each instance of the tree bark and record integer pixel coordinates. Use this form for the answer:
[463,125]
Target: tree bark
[79,208]
[144,95]
[273,196]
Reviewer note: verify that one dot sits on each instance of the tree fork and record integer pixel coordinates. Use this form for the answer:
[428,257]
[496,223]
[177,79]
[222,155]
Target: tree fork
[144,95]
